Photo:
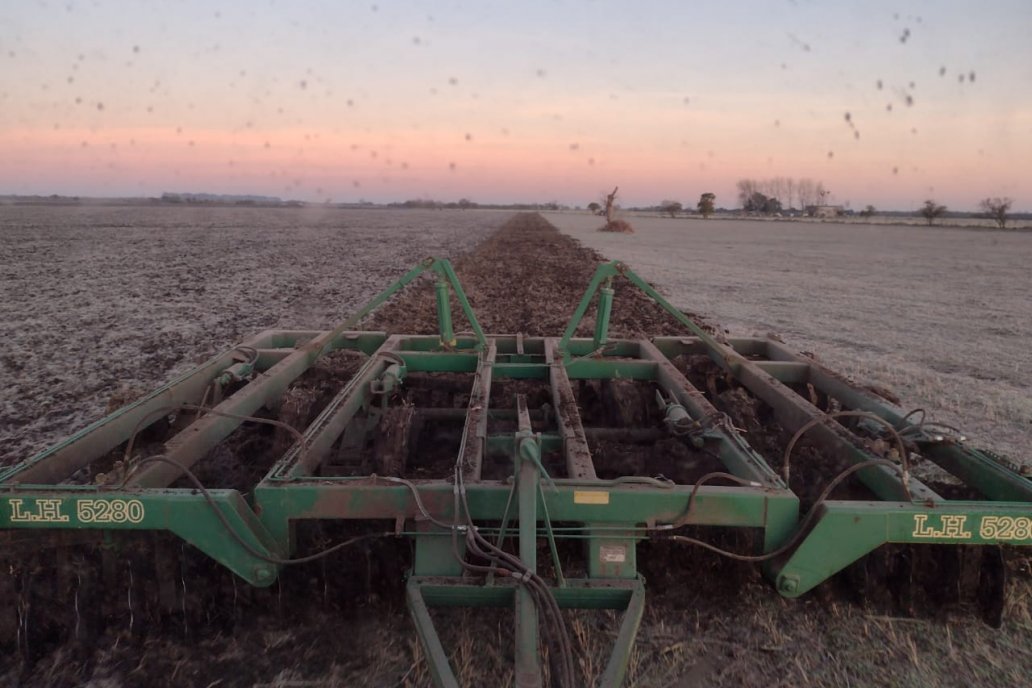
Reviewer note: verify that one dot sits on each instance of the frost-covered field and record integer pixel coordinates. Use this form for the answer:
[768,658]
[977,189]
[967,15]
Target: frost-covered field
[941,316]
[97,298]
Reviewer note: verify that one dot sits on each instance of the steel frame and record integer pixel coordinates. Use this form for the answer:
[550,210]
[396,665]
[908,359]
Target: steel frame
[251,535]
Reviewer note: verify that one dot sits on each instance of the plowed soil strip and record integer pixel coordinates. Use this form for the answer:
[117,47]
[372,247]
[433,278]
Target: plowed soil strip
[528,278]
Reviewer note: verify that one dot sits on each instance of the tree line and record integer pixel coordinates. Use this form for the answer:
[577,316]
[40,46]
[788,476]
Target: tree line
[777,193]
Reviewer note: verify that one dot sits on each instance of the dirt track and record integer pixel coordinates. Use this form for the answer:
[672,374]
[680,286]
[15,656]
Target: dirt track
[709,622]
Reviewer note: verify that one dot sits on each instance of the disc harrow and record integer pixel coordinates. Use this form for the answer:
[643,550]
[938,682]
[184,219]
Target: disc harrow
[493,452]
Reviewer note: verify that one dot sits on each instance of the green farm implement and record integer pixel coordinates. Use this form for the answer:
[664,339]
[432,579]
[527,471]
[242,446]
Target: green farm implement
[525,471]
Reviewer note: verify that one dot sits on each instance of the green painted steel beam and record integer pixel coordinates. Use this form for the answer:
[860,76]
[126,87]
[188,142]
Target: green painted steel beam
[436,658]
[620,655]
[528,459]
[332,420]
[444,268]
[627,596]
[65,458]
[846,531]
[603,369]
[428,362]
[598,502]
[474,430]
[578,593]
[972,467]
[735,453]
[576,452]
[182,512]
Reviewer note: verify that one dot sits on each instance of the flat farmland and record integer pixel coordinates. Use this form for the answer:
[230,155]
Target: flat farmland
[940,316]
[99,301]
[104,298]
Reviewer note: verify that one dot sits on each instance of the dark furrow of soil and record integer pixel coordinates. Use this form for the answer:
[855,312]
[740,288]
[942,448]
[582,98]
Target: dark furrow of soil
[148,611]
[528,278]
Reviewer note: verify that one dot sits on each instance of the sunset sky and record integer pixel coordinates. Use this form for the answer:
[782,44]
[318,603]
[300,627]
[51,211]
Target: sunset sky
[518,101]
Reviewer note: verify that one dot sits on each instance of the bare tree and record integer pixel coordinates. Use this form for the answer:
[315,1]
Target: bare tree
[610,200]
[777,189]
[787,190]
[931,211]
[807,192]
[996,209]
[746,189]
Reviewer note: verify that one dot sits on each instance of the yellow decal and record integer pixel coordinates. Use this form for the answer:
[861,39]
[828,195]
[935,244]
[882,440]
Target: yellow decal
[952,527]
[42,511]
[1005,528]
[590,497]
[110,510]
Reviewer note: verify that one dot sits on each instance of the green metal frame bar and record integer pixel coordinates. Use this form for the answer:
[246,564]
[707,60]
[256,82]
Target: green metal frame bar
[846,531]
[627,596]
[182,512]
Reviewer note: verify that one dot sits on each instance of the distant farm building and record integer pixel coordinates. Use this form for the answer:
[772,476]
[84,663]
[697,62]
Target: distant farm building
[825,211]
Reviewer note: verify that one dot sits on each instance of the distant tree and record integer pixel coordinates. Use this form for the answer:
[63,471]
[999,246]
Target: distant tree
[996,209]
[869,211]
[756,202]
[746,189]
[931,211]
[671,208]
[466,204]
[772,206]
[594,208]
[706,204]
